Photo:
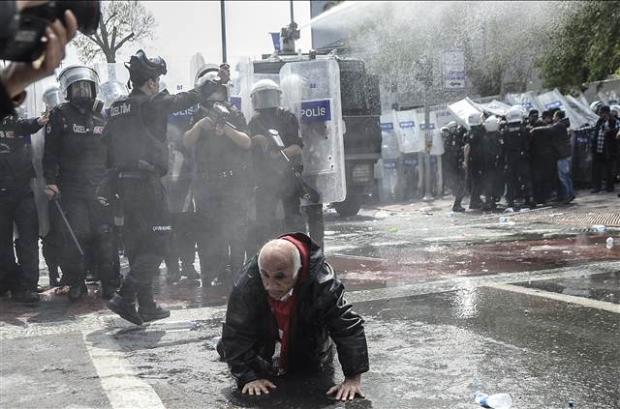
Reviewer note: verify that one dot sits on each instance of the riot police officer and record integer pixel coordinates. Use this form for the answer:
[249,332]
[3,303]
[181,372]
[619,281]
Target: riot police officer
[475,159]
[493,163]
[17,208]
[182,245]
[517,160]
[542,159]
[222,182]
[454,162]
[51,248]
[276,152]
[138,157]
[74,163]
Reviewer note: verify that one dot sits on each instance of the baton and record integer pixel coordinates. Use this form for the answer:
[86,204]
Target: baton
[71,232]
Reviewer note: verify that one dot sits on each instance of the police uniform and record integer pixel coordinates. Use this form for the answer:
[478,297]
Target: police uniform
[517,163]
[221,189]
[273,177]
[182,245]
[17,207]
[476,166]
[492,174]
[453,160]
[138,152]
[75,160]
[543,163]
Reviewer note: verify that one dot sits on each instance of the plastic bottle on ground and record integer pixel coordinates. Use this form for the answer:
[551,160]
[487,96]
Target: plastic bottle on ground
[610,243]
[497,401]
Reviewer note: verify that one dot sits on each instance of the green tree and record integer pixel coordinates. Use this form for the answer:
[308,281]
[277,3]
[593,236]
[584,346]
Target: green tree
[585,46]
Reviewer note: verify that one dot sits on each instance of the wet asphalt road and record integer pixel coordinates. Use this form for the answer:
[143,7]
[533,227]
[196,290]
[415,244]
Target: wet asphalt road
[453,304]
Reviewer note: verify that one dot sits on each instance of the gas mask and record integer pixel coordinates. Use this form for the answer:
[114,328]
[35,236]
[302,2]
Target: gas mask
[82,94]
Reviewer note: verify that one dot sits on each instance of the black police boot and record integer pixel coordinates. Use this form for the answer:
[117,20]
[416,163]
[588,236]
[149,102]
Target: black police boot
[147,308]
[124,303]
[77,290]
[125,308]
[26,297]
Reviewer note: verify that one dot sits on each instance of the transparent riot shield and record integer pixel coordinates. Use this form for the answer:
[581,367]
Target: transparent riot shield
[410,139]
[113,78]
[462,110]
[37,141]
[240,86]
[311,90]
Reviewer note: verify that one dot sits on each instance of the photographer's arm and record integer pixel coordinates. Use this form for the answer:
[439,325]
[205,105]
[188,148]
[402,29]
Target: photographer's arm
[240,138]
[191,137]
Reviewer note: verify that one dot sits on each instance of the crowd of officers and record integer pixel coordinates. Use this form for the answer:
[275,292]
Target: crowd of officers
[526,159]
[122,179]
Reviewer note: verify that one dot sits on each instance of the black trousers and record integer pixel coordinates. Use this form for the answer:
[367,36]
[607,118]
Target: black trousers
[222,217]
[602,166]
[92,224]
[543,177]
[146,231]
[19,208]
[456,181]
[518,179]
[182,242]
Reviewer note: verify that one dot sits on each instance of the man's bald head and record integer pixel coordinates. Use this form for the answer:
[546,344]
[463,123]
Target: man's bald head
[279,263]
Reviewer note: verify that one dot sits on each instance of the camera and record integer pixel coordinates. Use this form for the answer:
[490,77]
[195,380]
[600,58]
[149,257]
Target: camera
[25,44]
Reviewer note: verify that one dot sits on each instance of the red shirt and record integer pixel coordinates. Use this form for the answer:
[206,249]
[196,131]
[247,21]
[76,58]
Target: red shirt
[284,311]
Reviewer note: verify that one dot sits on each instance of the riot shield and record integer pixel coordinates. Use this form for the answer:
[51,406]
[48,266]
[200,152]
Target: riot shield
[437,147]
[410,139]
[312,92]
[37,141]
[113,78]
[240,86]
[462,110]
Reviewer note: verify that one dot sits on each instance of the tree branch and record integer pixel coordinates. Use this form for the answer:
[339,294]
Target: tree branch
[123,41]
[107,20]
[93,39]
[113,42]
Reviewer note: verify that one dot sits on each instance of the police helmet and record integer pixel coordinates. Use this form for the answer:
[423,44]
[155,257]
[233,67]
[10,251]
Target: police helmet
[615,110]
[596,106]
[514,115]
[52,97]
[206,68]
[451,125]
[85,79]
[211,73]
[491,124]
[532,112]
[265,94]
[474,119]
[141,68]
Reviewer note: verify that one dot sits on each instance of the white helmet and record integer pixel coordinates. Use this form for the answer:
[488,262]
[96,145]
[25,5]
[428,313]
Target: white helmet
[265,94]
[491,124]
[595,106]
[52,97]
[615,108]
[514,115]
[75,73]
[211,72]
[474,119]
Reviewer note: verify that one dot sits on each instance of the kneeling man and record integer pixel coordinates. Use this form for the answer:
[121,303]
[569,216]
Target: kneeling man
[284,316]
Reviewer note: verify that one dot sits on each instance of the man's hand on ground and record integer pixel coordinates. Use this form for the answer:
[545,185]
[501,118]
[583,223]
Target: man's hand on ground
[348,388]
[258,387]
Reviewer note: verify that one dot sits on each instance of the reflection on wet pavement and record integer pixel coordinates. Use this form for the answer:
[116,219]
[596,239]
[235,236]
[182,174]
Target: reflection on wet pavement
[601,287]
